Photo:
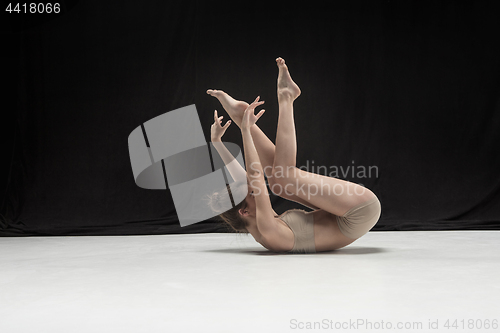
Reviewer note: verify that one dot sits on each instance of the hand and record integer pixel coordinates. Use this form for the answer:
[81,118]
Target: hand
[249,118]
[217,130]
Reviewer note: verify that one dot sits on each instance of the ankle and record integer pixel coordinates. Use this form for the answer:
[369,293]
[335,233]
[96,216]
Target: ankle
[285,96]
[237,121]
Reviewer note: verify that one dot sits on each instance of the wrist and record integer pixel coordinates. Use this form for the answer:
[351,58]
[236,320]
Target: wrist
[216,139]
[245,129]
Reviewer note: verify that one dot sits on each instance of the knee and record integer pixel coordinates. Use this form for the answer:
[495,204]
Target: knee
[369,195]
[361,194]
[375,208]
[282,176]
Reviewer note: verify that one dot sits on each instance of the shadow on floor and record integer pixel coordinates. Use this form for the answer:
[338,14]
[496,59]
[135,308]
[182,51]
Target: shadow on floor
[344,251]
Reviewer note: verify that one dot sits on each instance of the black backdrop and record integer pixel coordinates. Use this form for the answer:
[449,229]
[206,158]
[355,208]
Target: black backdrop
[409,87]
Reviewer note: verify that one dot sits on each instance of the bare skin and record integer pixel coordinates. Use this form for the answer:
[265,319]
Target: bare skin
[286,180]
[265,147]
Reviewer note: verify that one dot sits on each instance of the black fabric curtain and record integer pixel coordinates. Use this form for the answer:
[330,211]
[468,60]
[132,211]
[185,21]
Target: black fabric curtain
[406,91]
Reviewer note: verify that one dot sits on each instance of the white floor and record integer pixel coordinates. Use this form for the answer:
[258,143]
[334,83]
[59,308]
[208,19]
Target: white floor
[229,283]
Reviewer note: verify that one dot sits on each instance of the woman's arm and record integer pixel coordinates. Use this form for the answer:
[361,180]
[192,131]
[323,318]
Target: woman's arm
[266,223]
[217,131]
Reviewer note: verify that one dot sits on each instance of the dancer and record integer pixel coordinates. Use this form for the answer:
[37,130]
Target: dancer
[342,211]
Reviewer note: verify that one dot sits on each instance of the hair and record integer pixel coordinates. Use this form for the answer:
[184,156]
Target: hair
[231,217]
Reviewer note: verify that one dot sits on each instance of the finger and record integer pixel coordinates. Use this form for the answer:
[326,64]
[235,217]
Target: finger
[255,103]
[220,118]
[260,114]
[227,124]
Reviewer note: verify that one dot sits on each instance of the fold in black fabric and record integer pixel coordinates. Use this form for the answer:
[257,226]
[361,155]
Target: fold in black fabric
[410,90]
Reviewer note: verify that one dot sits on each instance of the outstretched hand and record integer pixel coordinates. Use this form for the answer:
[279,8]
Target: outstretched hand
[217,130]
[249,117]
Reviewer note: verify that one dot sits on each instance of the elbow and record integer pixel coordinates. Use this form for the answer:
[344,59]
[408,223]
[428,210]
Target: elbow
[255,170]
[255,174]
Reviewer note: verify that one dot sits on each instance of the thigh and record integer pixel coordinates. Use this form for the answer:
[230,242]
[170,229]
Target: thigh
[278,190]
[333,195]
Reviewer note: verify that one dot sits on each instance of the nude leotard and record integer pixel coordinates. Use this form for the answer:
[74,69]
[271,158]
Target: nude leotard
[302,225]
[353,224]
[359,219]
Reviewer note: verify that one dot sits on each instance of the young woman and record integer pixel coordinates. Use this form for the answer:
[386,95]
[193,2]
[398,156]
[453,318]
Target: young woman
[342,211]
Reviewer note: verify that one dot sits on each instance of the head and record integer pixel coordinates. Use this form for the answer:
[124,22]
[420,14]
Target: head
[238,218]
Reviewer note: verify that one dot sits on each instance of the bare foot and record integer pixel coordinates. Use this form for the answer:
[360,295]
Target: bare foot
[234,108]
[286,87]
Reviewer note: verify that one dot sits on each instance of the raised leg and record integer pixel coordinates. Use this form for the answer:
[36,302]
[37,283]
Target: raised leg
[265,147]
[331,194]
[286,142]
